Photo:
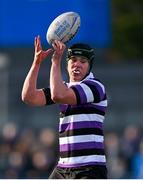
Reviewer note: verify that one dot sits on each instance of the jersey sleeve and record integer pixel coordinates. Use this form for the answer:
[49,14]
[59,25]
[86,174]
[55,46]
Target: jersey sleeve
[89,91]
[47,93]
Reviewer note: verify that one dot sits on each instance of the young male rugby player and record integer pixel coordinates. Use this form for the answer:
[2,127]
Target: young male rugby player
[82,102]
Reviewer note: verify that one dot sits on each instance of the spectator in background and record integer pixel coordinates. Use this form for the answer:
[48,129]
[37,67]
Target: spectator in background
[137,163]
[20,150]
[82,108]
[129,144]
[116,164]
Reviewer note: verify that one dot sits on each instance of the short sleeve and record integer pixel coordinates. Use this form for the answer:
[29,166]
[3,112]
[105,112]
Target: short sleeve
[89,91]
[47,93]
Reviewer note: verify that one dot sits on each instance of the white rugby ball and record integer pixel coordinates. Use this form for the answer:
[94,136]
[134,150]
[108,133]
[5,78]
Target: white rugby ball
[64,27]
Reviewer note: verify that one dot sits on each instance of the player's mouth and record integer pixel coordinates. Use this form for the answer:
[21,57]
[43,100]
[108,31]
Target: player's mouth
[76,72]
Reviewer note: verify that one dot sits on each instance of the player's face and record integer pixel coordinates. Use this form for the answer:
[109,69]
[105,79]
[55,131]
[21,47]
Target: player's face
[77,67]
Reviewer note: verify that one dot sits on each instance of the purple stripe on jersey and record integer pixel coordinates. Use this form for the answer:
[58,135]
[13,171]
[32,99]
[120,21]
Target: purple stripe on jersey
[81,124]
[81,164]
[99,88]
[78,146]
[102,108]
[83,98]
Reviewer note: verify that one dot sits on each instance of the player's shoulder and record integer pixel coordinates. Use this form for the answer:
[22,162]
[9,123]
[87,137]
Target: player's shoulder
[93,81]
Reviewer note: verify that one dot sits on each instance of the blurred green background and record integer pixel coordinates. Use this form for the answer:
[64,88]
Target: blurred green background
[29,135]
[127,28]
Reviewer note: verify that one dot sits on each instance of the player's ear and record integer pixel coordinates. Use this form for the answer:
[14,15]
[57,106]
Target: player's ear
[89,68]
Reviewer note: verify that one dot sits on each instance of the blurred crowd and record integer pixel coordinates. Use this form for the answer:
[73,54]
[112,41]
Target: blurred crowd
[125,153]
[32,153]
[27,153]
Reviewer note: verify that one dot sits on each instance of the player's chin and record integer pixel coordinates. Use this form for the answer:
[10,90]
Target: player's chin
[76,78]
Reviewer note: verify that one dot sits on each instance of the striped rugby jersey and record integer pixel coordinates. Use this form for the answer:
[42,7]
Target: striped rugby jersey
[81,139]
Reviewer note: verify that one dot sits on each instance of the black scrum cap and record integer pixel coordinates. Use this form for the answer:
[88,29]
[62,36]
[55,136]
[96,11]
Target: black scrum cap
[82,50]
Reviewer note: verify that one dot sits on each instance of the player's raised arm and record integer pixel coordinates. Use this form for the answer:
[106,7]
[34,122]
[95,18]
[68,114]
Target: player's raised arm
[60,93]
[30,94]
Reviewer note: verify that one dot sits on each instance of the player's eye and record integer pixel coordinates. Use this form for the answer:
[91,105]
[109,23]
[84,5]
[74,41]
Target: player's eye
[73,60]
[83,60]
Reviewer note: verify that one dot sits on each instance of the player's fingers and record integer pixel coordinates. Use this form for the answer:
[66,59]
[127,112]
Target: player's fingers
[35,41]
[35,44]
[39,42]
[63,45]
[54,44]
[59,46]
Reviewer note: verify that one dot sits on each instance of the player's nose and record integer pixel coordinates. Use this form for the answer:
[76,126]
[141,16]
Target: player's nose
[77,63]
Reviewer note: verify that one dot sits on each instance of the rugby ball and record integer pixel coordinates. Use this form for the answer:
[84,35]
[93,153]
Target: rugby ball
[64,27]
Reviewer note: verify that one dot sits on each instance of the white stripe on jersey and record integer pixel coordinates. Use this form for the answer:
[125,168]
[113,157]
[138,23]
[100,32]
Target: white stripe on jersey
[83,159]
[88,92]
[82,117]
[80,139]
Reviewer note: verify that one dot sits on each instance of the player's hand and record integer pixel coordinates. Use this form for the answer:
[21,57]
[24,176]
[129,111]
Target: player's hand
[40,54]
[59,48]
